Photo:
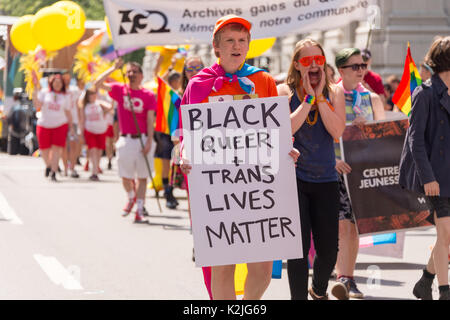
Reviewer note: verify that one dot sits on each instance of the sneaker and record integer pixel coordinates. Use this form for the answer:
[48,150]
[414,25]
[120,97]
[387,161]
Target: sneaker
[139,218]
[171,202]
[145,212]
[129,207]
[94,177]
[422,289]
[314,296]
[354,292]
[444,295]
[47,171]
[341,289]
[53,177]
[74,174]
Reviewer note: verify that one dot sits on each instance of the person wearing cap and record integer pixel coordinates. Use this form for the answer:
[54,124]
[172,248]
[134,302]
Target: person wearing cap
[228,77]
[372,80]
[361,106]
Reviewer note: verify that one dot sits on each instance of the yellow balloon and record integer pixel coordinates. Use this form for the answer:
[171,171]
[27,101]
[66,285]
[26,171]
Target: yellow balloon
[21,36]
[154,48]
[259,46]
[49,28]
[75,20]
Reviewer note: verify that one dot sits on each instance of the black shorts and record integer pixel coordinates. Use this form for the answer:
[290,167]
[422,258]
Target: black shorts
[164,145]
[440,205]
[345,206]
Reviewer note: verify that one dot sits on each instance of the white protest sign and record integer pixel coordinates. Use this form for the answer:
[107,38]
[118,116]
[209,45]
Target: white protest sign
[138,23]
[242,186]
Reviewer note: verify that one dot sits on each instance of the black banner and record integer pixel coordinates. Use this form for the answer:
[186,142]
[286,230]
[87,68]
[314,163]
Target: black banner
[379,203]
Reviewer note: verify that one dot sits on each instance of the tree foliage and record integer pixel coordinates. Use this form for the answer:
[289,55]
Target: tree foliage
[93,9]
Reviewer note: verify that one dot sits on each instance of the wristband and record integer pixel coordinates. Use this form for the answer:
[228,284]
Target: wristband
[310,99]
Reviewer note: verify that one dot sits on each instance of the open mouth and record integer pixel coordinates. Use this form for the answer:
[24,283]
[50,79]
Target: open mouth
[314,75]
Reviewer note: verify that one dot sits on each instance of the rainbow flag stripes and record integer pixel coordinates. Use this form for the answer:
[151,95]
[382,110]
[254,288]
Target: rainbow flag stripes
[410,81]
[168,104]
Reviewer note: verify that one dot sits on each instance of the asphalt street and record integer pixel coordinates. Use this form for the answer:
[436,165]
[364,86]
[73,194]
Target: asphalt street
[68,240]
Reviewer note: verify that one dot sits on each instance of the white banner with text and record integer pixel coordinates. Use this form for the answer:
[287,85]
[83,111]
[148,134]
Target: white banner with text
[138,23]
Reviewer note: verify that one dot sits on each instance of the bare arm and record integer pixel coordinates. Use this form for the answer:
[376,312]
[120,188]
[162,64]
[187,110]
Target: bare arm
[298,117]
[334,120]
[99,83]
[377,107]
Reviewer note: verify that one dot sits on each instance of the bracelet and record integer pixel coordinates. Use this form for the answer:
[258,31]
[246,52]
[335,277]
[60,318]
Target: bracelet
[321,98]
[310,99]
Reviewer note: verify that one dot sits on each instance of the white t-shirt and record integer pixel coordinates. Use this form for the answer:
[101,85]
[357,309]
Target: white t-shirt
[95,120]
[52,111]
[74,94]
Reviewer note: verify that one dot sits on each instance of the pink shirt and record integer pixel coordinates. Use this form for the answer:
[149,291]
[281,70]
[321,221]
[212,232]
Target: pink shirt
[143,100]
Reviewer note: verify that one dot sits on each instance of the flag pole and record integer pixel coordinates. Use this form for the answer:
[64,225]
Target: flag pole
[140,136]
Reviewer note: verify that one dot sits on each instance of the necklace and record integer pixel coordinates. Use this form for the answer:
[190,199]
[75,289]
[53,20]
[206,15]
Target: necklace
[316,112]
[315,118]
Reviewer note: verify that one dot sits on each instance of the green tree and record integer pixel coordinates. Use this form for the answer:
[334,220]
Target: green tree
[93,9]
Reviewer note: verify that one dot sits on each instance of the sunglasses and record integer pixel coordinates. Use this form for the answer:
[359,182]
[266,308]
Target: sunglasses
[192,69]
[306,61]
[356,67]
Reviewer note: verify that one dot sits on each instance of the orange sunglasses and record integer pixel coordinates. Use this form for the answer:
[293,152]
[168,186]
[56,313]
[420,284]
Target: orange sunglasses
[306,61]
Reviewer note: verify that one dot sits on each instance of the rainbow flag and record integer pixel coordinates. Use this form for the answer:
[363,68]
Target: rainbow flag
[99,43]
[410,80]
[168,103]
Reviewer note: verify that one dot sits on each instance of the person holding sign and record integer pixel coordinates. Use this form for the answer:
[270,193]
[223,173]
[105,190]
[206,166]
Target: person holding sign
[361,106]
[317,118]
[227,80]
[425,165]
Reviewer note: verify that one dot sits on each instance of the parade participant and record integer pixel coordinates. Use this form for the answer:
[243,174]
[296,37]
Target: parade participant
[192,66]
[110,139]
[317,118]
[73,147]
[93,124]
[164,147]
[331,73]
[54,123]
[424,164]
[372,80]
[231,76]
[426,72]
[130,155]
[361,106]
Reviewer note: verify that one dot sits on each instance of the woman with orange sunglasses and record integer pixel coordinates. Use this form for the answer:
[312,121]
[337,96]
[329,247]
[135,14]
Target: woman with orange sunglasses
[317,119]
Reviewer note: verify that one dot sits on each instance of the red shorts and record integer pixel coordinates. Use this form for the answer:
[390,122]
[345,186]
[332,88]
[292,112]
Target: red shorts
[94,140]
[48,137]
[110,132]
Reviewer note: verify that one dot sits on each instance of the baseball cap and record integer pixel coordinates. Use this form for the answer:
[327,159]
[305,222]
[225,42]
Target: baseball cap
[231,18]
